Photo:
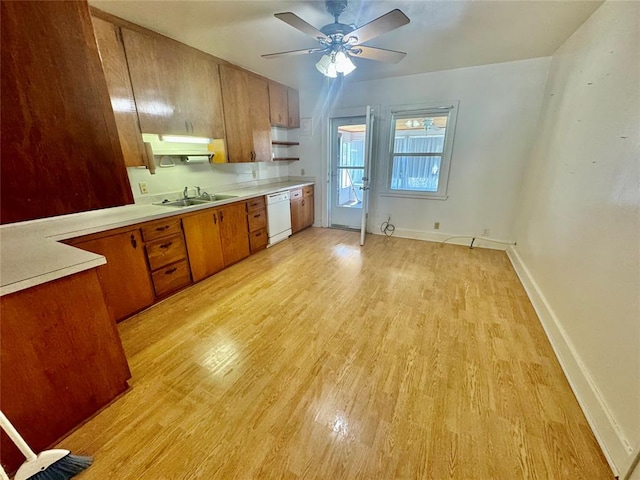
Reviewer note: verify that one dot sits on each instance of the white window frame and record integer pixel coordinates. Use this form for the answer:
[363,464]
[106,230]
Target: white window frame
[445,164]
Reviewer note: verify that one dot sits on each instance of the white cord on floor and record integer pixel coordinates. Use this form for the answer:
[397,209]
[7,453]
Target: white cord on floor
[473,239]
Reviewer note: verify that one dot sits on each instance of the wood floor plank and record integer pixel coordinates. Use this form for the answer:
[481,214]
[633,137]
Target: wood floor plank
[321,359]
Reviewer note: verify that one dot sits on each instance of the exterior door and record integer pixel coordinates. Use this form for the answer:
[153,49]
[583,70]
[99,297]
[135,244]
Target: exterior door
[366,178]
[347,168]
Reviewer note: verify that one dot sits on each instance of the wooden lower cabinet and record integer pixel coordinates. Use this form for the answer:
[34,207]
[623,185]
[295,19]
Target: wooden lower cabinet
[257,222]
[302,208]
[202,234]
[166,255]
[125,279]
[233,232]
[61,360]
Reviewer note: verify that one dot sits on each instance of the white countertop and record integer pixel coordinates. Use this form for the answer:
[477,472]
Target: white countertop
[31,252]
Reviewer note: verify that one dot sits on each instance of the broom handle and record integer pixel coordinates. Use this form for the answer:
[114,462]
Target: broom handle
[16,438]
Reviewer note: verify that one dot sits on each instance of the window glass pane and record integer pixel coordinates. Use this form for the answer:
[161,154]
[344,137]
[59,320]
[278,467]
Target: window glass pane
[349,193]
[416,173]
[420,134]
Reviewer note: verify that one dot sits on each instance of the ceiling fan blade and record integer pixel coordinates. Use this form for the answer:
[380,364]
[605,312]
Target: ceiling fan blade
[387,22]
[298,23]
[379,54]
[293,52]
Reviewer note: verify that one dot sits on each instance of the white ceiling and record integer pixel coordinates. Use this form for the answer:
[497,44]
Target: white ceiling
[442,34]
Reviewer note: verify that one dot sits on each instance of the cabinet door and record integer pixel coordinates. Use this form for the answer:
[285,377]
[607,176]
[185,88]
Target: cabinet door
[176,88]
[125,279]
[202,234]
[234,232]
[307,211]
[297,215]
[278,104]
[260,124]
[237,114]
[114,64]
[60,148]
[293,108]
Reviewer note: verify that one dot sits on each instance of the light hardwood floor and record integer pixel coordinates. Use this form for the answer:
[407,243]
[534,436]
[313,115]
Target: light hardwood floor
[321,359]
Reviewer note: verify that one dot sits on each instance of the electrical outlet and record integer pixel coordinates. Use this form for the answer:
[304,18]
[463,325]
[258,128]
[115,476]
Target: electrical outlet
[436,226]
[302,171]
[144,189]
[485,232]
[255,174]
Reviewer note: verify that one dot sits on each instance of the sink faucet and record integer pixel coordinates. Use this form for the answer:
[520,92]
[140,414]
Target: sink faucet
[184,192]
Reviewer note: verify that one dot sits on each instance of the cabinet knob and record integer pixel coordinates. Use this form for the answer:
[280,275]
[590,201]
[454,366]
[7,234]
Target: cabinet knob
[134,243]
[221,217]
[215,219]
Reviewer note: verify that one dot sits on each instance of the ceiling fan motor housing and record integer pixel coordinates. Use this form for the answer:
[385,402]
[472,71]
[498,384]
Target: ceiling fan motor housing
[336,7]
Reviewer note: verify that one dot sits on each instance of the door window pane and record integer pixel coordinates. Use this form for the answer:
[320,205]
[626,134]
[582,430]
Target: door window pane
[349,193]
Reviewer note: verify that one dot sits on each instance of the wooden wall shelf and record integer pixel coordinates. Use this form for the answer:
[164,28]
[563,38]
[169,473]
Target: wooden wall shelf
[283,159]
[288,144]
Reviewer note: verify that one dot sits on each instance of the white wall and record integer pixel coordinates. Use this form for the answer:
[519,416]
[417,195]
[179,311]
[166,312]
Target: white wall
[578,229]
[170,182]
[499,107]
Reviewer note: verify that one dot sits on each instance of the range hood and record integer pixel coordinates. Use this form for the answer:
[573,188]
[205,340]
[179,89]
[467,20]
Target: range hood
[190,149]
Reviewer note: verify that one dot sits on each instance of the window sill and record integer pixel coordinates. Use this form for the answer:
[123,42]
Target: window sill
[417,195]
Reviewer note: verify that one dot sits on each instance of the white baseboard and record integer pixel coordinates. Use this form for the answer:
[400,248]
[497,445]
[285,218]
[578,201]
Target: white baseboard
[440,237]
[615,446]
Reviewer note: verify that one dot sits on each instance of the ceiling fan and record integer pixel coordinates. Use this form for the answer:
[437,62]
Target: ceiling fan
[340,42]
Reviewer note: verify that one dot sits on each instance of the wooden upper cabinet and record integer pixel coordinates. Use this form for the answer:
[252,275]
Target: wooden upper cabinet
[246,105]
[261,127]
[116,72]
[284,105]
[278,104]
[177,88]
[60,148]
[293,98]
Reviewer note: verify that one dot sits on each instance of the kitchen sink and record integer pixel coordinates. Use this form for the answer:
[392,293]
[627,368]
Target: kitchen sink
[187,202]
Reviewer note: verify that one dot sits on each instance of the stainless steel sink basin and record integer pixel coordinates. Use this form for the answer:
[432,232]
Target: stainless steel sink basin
[187,202]
[184,202]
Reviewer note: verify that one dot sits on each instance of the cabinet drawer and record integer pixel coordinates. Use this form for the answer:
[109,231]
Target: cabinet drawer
[166,227]
[307,191]
[257,220]
[255,204]
[258,240]
[165,251]
[297,193]
[171,277]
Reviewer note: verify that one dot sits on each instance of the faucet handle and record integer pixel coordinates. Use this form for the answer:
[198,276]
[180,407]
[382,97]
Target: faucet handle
[197,191]
[185,193]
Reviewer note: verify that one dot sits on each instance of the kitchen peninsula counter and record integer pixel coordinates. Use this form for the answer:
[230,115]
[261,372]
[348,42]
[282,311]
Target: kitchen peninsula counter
[31,253]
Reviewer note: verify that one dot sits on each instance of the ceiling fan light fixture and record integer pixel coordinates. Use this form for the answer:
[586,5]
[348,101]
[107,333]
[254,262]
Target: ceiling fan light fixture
[343,63]
[327,66]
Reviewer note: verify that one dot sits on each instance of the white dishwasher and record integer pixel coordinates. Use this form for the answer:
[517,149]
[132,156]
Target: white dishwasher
[279,217]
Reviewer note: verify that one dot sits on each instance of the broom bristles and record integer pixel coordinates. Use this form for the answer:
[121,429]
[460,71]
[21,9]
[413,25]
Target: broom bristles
[65,468]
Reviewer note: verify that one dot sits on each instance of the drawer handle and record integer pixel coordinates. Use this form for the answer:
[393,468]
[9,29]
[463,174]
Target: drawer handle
[258,234]
[170,271]
[215,219]
[160,229]
[166,245]
[134,244]
[221,217]
[257,216]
